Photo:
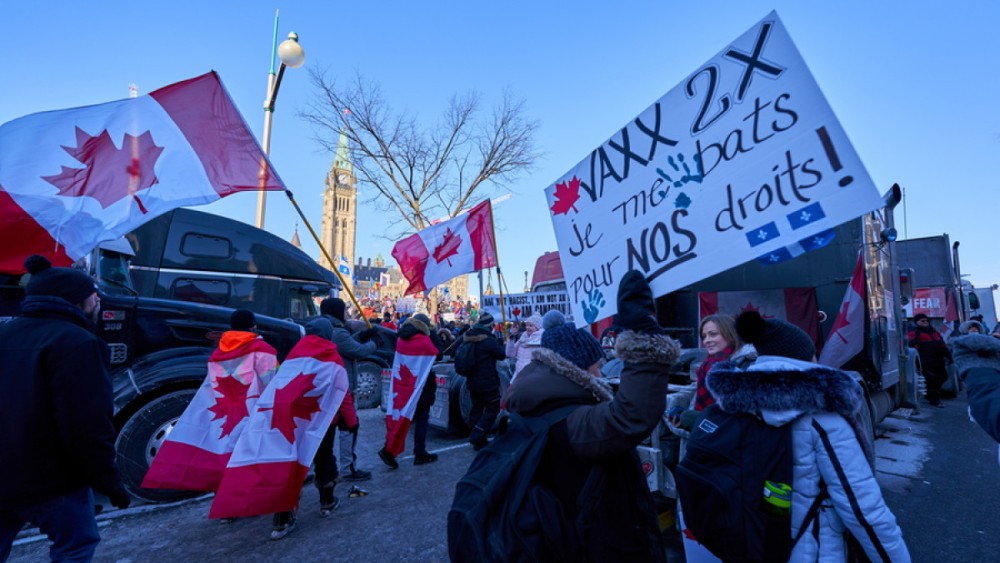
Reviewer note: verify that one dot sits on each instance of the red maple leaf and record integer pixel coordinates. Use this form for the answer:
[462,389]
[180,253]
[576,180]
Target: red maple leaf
[448,247]
[231,403]
[516,311]
[110,174]
[566,195]
[406,380]
[290,403]
[841,322]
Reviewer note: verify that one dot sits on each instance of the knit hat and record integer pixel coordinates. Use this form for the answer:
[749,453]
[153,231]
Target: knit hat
[774,337]
[242,319]
[485,319]
[535,319]
[334,307]
[920,316]
[577,346]
[419,322]
[975,351]
[68,283]
[320,327]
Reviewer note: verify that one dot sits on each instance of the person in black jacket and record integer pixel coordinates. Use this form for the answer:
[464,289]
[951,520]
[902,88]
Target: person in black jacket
[58,436]
[484,384]
[933,353]
[977,358]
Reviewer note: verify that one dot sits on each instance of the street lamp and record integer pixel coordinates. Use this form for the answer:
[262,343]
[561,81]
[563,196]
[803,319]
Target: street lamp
[291,55]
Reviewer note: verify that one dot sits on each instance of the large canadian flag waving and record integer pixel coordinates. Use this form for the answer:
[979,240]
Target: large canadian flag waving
[73,178]
[273,454]
[448,249]
[847,336]
[197,450]
[411,367]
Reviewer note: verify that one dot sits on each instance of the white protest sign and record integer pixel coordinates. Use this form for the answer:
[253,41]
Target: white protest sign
[743,159]
[520,306]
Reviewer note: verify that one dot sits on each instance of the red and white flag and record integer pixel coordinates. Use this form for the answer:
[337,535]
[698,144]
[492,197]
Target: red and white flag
[448,249]
[411,367]
[73,178]
[796,305]
[198,448]
[847,336]
[273,454]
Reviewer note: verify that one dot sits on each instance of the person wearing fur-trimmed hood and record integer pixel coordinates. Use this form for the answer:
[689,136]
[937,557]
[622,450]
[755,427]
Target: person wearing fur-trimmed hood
[829,449]
[605,428]
[977,358]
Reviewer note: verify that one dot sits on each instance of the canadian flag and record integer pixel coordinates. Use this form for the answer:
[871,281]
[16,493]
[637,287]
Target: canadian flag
[197,450]
[448,249]
[273,454]
[411,367]
[847,335]
[73,178]
[796,305]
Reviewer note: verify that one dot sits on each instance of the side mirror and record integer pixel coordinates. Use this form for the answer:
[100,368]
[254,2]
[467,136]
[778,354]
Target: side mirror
[973,301]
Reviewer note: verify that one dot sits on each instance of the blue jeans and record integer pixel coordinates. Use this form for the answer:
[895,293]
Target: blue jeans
[68,521]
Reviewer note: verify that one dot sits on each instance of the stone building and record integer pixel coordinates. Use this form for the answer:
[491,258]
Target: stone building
[340,211]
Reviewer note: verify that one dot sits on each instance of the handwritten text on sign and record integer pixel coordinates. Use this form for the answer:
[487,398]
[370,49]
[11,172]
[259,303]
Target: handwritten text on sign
[744,159]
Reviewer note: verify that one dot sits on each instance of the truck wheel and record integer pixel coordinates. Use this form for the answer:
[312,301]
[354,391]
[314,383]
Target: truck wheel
[368,393]
[456,390]
[141,438]
[867,421]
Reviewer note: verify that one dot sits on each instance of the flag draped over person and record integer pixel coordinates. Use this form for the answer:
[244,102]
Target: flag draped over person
[198,448]
[448,249]
[273,454]
[411,367]
[847,335]
[73,178]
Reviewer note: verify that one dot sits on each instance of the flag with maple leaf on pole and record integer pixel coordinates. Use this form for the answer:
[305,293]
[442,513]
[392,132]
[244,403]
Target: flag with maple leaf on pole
[847,336]
[196,452]
[448,249]
[71,179]
[411,366]
[273,454]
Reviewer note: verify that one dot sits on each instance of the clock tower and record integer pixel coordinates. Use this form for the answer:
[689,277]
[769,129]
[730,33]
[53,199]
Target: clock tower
[340,213]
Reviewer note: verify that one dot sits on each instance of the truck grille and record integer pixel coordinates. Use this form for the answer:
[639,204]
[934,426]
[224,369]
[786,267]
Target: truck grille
[119,353]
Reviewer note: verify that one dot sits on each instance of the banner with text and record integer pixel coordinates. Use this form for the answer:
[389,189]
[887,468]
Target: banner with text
[743,159]
[522,305]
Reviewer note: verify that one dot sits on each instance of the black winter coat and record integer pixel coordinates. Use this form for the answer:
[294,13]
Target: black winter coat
[56,428]
[488,352]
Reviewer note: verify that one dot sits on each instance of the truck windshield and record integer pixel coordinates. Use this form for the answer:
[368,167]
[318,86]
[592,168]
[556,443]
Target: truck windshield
[113,274]
[304,302]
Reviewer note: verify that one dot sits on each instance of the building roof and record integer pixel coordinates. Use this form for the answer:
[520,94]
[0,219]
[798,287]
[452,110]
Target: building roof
[342,160]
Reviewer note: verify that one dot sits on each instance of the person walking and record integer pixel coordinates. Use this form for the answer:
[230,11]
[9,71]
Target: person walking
[56,413]
[934,354]
[484,382]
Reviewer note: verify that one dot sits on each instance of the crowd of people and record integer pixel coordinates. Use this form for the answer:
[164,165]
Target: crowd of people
[757,371]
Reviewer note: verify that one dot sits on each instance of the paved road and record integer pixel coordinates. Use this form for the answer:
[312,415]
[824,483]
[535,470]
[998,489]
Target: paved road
[939,473]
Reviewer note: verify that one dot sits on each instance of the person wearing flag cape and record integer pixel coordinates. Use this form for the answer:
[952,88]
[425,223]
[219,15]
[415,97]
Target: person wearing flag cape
[411,392]
[195,455]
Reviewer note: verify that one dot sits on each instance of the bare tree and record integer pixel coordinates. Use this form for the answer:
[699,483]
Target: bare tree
[423,174]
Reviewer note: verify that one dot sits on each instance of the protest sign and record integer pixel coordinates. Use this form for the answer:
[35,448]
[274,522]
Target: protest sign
[743,159]
[520,306]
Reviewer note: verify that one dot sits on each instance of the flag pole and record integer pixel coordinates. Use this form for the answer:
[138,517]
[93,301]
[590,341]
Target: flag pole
[496,254]
[322,249]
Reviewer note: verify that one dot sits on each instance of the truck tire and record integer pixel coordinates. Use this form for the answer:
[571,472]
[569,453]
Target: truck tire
[368,391]
[141,437]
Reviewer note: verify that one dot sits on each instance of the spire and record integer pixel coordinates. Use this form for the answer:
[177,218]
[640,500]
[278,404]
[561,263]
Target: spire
[342,160]
[295,238]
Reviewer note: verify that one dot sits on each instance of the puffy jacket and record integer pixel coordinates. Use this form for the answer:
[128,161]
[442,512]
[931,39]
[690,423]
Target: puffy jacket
[349,348]
[930,345]
[488,351]
[56,428]
[521,350]
[828,449]
[978,361]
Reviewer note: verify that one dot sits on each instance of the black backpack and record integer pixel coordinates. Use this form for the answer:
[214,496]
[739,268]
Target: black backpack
[501,513]
[465,359]
[734,485]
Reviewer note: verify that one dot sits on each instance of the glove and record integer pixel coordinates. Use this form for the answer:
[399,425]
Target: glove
[636,309]
[975,351]
[674,415]
[367,334]
[120,498]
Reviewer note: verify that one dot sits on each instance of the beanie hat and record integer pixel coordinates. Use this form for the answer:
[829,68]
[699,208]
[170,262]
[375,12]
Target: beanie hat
[920,316]
[535,319]
[485,319]
[577,346]
[242,319]
[334,307]
[975,351]
[68,283]
[320,327]
[774,337]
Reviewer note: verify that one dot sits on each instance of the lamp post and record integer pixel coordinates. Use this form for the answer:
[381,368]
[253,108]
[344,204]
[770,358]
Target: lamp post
[291,55]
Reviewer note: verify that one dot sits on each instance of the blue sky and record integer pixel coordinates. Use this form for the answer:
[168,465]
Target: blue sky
[915,85]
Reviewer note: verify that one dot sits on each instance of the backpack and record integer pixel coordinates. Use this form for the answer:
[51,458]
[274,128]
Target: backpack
[734,485]
[500,512]
[465,359]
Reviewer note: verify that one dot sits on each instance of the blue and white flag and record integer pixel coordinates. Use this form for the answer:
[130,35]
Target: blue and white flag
[345,266]
[779,255]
